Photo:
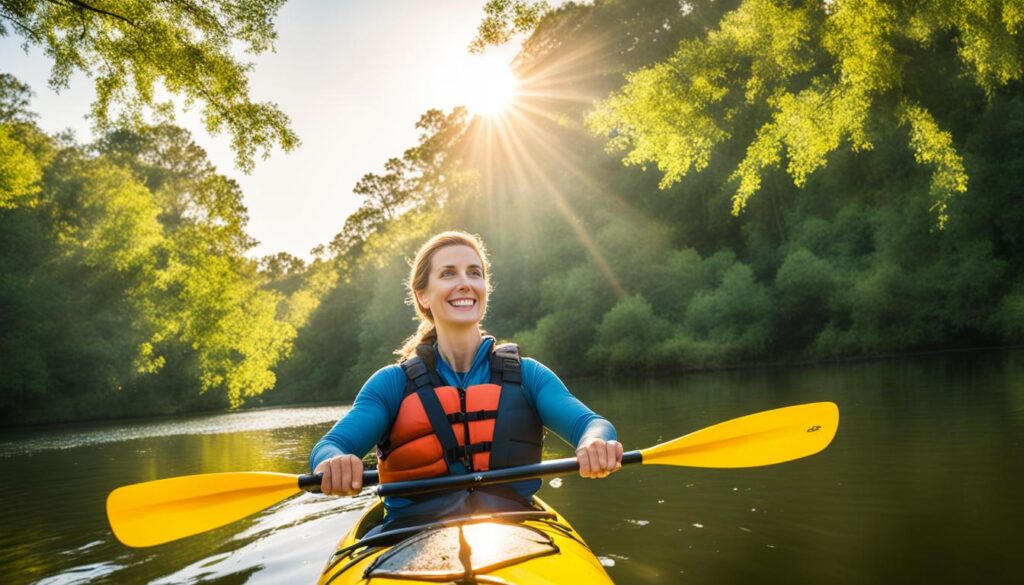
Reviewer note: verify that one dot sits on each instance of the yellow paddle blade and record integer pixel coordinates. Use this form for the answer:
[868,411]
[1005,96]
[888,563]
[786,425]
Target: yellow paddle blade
[765,438]
[155,512]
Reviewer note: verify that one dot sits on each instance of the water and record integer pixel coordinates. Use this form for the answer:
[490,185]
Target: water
[920,485]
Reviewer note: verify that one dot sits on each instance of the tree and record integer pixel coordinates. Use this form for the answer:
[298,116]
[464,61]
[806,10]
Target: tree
[428,174]
[134,47]
[186,186]
[15,97]
[504,19]
[796,81]
[19,172]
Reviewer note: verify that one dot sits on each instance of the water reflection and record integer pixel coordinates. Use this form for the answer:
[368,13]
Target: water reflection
[287,544]
[919,485]
[71,436]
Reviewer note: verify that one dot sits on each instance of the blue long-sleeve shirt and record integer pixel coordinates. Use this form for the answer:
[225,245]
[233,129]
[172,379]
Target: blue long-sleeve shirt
[377,404]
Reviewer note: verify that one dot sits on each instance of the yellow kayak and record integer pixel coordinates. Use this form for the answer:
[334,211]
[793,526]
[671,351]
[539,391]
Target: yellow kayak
[532,546]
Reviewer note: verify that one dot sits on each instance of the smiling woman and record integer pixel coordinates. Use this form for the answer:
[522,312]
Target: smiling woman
[458,402]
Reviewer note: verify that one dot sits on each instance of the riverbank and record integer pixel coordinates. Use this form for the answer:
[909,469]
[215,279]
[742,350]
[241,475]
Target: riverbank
[267,401]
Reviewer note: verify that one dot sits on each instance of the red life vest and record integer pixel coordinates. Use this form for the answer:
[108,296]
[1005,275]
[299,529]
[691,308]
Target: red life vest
[484,426]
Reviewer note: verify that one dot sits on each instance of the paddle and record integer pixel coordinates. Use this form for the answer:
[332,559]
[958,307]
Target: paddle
[155,512]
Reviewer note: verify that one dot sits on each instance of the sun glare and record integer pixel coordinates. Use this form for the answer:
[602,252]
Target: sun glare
[487,88]
[515,150]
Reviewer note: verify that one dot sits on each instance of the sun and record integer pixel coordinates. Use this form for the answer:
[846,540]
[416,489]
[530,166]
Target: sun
[487,87]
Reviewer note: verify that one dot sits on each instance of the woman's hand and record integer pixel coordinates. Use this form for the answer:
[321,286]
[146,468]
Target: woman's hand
[343,475]
[599,458]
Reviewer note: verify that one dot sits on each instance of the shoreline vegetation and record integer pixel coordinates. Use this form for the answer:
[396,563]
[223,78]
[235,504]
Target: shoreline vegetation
[574,382]
[679,187]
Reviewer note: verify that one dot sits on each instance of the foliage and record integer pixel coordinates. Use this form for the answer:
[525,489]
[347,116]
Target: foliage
[849,123]
[126,277]
[19,172]
[628,337]
[811,76]
[735,316]
[133,48]
[504,19]
[804,285]
[15,98]
[125,280]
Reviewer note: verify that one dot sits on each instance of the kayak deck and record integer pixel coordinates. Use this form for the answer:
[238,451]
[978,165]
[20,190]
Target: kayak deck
[530,546]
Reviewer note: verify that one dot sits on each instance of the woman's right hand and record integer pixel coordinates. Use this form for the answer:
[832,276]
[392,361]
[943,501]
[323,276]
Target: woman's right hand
[343,475]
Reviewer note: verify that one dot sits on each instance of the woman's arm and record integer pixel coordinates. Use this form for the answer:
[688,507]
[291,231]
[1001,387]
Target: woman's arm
[594,437]
[337,454]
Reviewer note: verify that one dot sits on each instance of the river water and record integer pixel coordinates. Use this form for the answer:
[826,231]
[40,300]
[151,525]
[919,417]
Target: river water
[920,485]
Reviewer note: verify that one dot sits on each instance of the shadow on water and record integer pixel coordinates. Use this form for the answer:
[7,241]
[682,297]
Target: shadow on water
[919,485]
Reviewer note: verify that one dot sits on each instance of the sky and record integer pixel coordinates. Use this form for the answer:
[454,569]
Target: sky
[353,76]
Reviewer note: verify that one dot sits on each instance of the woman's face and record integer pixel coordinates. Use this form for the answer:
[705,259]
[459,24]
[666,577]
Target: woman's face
[456,292]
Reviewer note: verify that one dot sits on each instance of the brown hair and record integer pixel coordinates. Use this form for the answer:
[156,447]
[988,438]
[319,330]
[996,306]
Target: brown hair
[419,277]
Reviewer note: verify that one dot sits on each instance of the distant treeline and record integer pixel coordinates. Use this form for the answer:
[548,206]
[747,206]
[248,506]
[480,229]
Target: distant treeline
[785,197]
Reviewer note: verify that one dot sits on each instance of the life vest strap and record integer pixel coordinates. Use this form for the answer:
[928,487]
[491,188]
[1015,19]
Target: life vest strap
[462,417]
[461,453]
[505,368]
[419,375]
[439,421]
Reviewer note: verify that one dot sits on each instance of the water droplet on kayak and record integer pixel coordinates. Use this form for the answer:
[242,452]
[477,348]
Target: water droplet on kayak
[555,483]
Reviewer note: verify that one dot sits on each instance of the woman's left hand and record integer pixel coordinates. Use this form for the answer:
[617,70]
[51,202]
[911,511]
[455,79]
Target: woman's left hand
[599,458]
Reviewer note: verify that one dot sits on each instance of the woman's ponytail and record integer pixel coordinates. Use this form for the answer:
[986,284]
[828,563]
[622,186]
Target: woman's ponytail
[425,333]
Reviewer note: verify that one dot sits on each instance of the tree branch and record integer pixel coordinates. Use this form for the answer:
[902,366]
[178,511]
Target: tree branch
[200,14]
[31,32]
[82,6]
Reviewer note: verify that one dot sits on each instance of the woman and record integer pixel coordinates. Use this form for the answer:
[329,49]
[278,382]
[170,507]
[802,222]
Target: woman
[457,403]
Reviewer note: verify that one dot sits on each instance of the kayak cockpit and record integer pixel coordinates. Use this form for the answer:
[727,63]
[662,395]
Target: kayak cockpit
[461,551]
[399,534]
[535,545]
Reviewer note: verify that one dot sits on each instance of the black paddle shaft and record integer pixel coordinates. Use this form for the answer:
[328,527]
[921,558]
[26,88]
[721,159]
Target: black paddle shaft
[468,481]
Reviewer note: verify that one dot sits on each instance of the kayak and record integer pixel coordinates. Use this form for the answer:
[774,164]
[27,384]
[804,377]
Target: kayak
[530,546]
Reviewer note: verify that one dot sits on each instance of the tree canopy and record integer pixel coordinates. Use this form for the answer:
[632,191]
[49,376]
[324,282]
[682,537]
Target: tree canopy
[813,76]
[124,267]
[126,288]
[135,48]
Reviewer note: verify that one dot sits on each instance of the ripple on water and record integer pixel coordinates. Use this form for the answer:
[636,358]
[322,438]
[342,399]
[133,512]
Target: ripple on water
[252,420]
[81,574]
[266,552]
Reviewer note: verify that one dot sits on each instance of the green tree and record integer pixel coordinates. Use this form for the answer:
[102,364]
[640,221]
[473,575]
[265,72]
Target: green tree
[736,316]
[795,82]
[133,47]
[804,285]
[186,186]
[629,338]
[19,171]
[504,19]
[15,98]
